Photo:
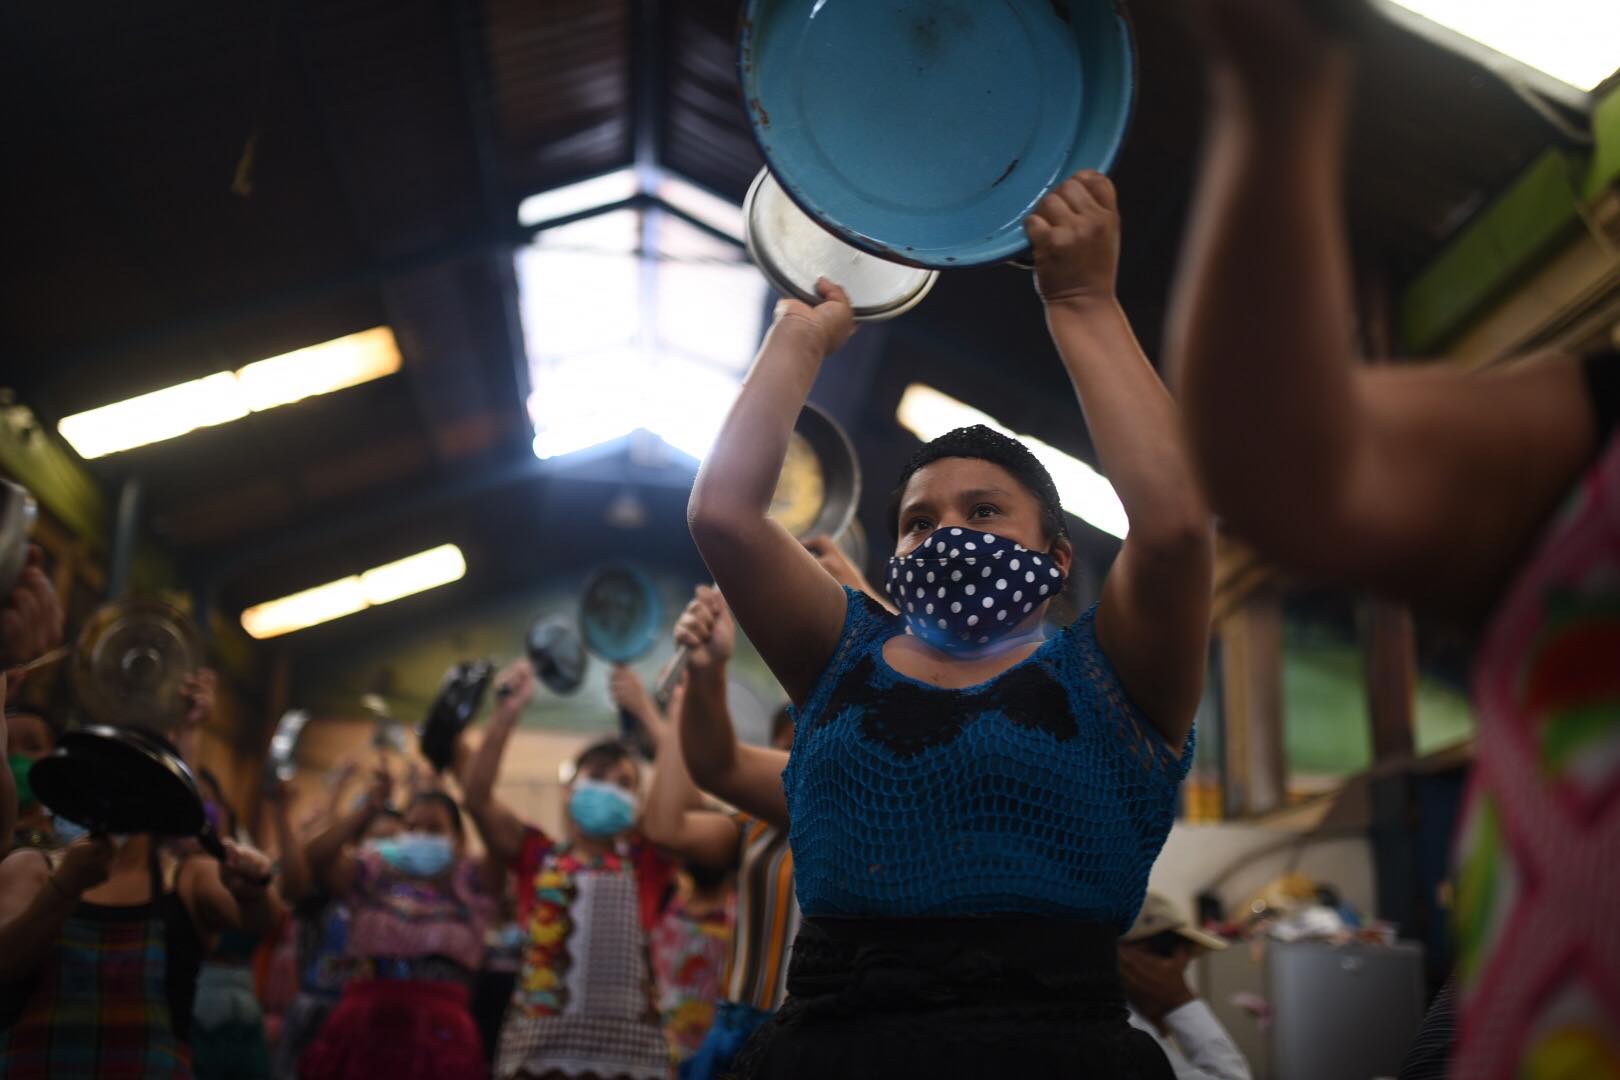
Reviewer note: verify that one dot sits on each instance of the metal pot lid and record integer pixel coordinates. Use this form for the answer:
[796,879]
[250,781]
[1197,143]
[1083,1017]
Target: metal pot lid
[792,251]
[282,761]
[926,131]
[820,483]
[131,661]
[17,514]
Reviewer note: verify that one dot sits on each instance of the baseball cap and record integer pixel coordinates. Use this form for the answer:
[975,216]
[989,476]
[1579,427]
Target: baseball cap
[1160,916]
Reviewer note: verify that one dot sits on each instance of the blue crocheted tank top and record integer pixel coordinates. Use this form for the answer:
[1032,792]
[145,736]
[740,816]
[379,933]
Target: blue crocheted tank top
[1043,791]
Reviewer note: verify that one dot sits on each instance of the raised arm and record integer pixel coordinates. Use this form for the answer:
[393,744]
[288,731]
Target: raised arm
[792,610]
[337,785]
[35,901]
[198,694]
[236,894]
[676,818]
[1153,620]
[840,569]
[747,777]
[331,851]
[30,625]
[630,694]
[502,831]
[296,881]
[1411,481]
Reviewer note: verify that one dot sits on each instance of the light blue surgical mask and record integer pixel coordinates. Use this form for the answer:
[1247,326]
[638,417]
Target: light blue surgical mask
[67,831]
[417,854]
[600,809]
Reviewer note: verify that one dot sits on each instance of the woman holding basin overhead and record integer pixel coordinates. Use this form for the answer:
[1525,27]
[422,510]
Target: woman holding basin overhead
[974,805]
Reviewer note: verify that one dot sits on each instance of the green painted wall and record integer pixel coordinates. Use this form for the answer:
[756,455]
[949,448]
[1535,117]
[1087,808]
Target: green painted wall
[60,484]
[412,662]
[1327,729]
[1516,234]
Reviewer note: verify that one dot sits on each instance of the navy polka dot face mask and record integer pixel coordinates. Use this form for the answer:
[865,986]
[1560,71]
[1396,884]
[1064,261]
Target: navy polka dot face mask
[960,589]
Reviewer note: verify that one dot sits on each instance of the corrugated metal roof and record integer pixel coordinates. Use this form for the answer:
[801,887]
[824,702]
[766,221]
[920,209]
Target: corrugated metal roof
[560,89]
[395,136]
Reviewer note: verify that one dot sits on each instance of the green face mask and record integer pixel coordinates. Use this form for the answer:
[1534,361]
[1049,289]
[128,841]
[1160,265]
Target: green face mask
[20,768]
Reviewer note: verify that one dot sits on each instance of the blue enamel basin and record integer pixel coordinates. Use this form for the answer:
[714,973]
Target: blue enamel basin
[620,616]
[925,131]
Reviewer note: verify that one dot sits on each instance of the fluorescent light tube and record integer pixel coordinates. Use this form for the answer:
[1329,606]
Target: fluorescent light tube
[226,396]
[323,603]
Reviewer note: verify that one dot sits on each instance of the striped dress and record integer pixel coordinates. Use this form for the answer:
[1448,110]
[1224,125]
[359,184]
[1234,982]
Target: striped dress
[767,916]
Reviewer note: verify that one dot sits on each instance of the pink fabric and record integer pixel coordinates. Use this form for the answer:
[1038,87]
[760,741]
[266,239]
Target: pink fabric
[1539,848]
[404,917]
[398,1031]
[689,953]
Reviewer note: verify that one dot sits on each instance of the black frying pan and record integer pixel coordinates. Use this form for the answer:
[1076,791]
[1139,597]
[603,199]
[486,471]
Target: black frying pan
[557,653]
[460,697]
[126,781]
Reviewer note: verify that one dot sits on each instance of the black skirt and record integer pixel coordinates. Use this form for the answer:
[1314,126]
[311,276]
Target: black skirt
[977,997]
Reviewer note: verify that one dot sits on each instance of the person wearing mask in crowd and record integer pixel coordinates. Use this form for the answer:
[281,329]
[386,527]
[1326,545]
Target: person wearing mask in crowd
[31,737]
[1153,959]
[752,843]
[30,626]
[100,943]
[1486,497]
[584,1004]
[276,965]
[320,925]
[418,907]
[227,1021]
[689,946]
[974,804]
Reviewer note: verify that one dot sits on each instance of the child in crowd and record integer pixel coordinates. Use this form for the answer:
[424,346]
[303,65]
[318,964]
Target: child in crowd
[320,924]
[584,1004]
[419,905]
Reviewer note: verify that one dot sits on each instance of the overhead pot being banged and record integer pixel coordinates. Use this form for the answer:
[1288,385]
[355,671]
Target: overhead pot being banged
[117,780]
[131,663]
[793,250]
[925,131]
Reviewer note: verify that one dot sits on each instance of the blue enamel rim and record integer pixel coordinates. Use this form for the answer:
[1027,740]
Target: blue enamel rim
[641,638]
[1010,243]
